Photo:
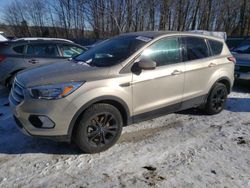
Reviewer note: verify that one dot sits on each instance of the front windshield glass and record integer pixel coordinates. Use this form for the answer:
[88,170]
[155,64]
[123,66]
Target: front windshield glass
[112,51]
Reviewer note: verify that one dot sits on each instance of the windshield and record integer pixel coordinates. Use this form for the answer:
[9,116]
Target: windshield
[112,51]
[244,48]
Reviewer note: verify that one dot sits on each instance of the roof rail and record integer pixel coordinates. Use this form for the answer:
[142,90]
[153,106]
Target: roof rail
[41,38]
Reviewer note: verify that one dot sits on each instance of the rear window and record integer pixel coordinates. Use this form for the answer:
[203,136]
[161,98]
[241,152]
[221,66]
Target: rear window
[216,47]
[19,49]
[195,48]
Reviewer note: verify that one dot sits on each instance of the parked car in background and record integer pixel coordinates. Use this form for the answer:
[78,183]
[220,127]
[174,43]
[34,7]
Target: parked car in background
[234,42]
[22,53]
[3,37]
[126,79]
[242,55]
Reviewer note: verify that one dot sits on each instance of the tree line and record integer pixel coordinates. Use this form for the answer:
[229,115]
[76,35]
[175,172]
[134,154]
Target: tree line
[105,18]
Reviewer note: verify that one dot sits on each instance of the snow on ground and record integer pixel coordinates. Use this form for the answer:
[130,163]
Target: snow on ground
[186,149]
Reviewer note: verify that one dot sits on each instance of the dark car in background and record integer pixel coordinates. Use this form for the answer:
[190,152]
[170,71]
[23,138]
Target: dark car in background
[234,42]
[242,55]
[17,55]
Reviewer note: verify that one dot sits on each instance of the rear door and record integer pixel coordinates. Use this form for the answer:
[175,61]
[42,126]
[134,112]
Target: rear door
[200,66]
[42,53]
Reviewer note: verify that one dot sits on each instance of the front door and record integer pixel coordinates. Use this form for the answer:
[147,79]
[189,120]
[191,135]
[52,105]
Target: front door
[159,89]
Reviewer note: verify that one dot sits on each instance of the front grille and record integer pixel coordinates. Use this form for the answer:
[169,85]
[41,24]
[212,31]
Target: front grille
[16,94]
[244,69]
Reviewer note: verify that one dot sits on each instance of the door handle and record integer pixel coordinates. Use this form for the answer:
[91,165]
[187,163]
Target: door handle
[176,72]
[212,65]
[33,61]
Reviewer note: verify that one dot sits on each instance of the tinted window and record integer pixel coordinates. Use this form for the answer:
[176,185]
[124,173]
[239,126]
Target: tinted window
[71,51]
[195,48]
[47,50]
[19,49]
[216,47]
[163,52]
[112,51]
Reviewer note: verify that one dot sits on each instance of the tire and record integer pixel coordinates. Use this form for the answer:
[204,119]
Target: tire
[217,99]
[99,128]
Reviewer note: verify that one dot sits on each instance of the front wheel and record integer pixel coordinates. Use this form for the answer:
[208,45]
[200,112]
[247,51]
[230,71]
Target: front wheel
[99,128]
[217,99]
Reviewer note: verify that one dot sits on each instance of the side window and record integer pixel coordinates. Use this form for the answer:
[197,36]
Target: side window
[216,46]
[19,49]
[163,52]
[195,48]
[46,50]
[70,51]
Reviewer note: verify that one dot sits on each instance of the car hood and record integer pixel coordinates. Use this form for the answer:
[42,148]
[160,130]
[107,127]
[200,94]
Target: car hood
[242,59]
[59,73]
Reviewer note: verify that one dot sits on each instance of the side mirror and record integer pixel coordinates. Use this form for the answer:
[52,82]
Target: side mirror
[147,64]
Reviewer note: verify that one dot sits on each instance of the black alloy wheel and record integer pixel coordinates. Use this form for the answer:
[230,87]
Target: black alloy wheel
[102,129]
[99,128]
[217,99]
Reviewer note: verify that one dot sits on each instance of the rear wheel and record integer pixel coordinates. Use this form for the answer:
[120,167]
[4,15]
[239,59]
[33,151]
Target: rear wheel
[217,99]
[99,128]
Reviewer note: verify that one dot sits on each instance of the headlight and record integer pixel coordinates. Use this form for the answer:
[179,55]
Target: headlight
[56,91]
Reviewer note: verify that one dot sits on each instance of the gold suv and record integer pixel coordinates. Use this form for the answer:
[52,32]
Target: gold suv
[123,80]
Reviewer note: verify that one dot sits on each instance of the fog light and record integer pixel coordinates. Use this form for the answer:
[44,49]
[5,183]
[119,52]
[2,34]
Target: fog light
[41,122]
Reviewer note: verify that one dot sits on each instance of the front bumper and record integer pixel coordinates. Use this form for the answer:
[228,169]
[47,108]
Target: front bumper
[57,114]
[242,75]
[65,138]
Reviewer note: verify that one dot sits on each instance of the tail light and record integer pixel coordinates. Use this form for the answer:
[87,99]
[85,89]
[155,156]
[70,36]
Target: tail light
[232,59]
[2,58]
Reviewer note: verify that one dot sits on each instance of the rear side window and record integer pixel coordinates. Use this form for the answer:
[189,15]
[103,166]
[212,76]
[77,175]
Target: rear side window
[163,52]
[19,49]
[216,47]
[45,50]
[195,48]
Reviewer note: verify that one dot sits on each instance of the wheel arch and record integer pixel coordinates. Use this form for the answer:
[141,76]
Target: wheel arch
[12,74]
[112,100]
[226,81]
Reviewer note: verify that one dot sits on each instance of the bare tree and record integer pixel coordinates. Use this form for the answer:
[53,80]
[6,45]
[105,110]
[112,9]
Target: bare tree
[105,18]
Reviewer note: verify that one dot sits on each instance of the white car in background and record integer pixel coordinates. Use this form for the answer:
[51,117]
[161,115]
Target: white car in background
[2,37]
